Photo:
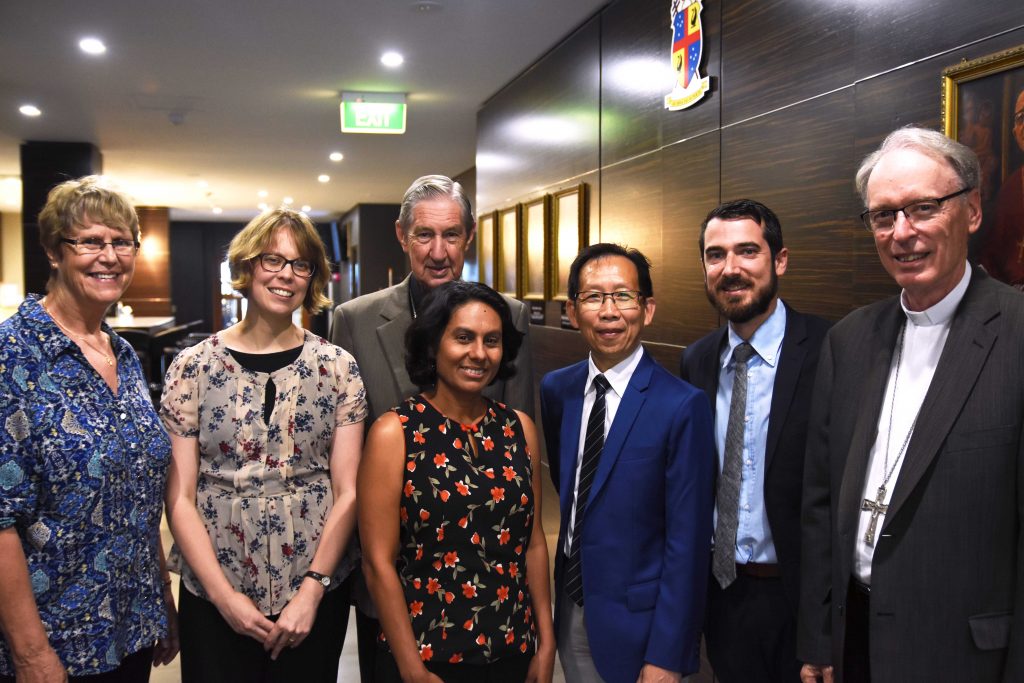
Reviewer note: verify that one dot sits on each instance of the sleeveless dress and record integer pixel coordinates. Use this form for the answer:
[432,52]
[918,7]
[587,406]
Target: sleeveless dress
[466,522]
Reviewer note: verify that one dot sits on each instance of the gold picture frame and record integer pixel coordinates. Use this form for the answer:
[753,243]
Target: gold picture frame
[507,251]
[981,100]
[485,236]
[536,227]
[568,236]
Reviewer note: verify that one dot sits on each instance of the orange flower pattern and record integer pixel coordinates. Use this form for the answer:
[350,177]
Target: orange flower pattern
[461,530]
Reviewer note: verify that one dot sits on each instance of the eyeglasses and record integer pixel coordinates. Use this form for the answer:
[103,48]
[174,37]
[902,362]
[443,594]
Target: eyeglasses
[275,263]
[94,245]
[623,299]
[425,237]
[1018,118]
[920,211]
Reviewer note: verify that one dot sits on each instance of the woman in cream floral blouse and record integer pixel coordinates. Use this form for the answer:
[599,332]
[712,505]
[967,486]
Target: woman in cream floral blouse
[265,423]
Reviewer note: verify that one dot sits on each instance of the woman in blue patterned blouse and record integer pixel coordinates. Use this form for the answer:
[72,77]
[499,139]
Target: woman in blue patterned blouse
[266,431]
[83,460]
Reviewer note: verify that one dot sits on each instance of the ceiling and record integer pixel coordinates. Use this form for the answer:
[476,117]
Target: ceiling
[204,103]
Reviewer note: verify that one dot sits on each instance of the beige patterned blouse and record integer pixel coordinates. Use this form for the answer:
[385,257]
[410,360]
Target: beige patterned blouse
[264,491]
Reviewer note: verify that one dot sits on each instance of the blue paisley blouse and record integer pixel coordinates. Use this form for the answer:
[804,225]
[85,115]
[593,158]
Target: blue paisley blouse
[264,490]
[82,473]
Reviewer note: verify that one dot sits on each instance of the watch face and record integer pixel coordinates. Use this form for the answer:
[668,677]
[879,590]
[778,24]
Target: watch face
[326,581]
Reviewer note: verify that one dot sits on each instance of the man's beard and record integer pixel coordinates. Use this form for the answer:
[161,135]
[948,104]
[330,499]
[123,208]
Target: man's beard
[743,312]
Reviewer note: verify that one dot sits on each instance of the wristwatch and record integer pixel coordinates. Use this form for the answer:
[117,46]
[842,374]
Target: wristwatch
[324,581]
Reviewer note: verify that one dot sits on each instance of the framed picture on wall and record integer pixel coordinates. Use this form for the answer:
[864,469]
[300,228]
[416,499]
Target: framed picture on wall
[983,107]
[568,236]
[536,220]
[507,244]
[485,227]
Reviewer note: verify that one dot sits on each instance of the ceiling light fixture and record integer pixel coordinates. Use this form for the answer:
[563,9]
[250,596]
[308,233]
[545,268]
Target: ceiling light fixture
[306,208]
[262,194]
[392,59]
[287,200]
[336,156]
[30,110]
[92,46]
[217,210]
[202,183]
[425,6]
[262,206]
[324,178]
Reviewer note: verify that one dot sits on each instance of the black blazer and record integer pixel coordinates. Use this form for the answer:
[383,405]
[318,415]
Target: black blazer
[787,427]
[947,578]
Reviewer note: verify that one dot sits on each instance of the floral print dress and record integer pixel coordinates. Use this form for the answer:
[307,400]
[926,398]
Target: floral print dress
[466,522]
[264,490]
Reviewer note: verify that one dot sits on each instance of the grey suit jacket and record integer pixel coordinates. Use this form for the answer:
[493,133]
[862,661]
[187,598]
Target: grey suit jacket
[947,579]
[372,328]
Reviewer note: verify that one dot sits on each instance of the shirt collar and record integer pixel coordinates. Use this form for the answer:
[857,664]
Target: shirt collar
[53,340]
[618,375]
[942,312]
[766,340]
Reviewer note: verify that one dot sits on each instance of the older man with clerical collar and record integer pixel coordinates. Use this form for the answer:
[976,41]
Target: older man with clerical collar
[913,532]
[435,227]
[758,372]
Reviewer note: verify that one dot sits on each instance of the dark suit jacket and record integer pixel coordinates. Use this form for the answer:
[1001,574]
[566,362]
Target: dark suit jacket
[947,579]
[372,328]
[647,527]
[787,427]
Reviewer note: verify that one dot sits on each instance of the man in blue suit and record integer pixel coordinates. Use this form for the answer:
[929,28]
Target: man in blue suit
[632,454]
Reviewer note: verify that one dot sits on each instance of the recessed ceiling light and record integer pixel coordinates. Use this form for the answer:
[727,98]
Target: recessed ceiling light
[324,178]
[262,194]
[30,110]
[202,183]
[425,6]
[262,206]
[287,200]
[392,59]
[336,156]
[306,208]
[92,46]
[217,210]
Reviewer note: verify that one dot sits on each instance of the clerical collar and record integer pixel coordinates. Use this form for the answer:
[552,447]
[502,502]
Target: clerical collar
[942,312]
[417,292]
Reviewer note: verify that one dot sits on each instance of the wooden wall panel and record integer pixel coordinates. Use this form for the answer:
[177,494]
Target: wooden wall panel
[636,39]
[797,161]
[777,52]
[544,128]
[150,291]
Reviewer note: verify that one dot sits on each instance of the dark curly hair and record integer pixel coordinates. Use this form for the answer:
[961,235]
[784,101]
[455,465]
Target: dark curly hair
[424,335]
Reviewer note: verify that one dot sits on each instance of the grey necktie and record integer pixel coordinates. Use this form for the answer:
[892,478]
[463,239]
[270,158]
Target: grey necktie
[723,564]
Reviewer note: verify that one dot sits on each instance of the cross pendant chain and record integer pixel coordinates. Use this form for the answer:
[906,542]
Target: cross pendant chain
[876,508]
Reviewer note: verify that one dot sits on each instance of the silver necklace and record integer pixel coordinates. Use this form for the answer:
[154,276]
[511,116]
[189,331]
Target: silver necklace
[81,337]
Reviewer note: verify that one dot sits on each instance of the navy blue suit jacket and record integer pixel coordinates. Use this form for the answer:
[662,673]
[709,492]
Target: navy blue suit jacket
[647,530]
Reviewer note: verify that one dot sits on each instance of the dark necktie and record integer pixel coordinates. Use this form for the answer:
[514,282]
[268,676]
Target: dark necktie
[593,442]
[723,564]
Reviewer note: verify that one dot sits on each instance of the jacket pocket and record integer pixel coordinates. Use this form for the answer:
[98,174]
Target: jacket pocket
[991,631]
[642,596]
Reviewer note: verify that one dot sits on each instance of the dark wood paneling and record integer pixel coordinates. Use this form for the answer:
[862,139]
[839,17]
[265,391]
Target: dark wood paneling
[777,52]
[150,291]
[543,128]
[636,42]
[800,162]
[891,34]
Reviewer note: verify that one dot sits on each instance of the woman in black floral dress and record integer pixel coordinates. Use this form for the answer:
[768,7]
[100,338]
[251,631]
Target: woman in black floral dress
[449,509]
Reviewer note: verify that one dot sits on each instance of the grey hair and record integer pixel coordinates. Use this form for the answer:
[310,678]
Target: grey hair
[435,187]
[932,143]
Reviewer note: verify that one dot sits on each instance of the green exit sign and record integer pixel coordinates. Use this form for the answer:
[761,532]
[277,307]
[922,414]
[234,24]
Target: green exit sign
[373,117]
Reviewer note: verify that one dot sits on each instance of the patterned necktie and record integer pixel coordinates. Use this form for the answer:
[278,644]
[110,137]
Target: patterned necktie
[723,564]
[592,445]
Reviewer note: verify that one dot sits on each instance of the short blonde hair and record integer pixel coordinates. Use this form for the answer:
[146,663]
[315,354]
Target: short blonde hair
[255,237]
[73,201]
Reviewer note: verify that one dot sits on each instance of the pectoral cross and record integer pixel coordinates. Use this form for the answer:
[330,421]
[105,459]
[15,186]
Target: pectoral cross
[876,508]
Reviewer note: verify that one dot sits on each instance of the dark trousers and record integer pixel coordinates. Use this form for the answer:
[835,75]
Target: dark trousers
[134,668]
[211,651]
[505,670]
[750,632]
[856,650]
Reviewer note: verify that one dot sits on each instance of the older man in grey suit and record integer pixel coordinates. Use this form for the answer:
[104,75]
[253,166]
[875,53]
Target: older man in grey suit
[913,504]
[435,227]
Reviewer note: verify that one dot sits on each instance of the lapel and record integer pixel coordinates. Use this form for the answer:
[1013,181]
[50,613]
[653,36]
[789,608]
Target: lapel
[625,416]
[973,332]
[791,360]
[569,437]
[394,320]
[881,341]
